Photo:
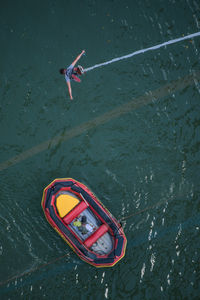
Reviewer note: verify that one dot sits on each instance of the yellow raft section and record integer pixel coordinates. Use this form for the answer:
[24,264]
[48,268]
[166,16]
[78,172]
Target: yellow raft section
[65,203]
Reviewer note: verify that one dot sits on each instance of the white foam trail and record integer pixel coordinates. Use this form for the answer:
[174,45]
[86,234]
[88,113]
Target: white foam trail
[144,50]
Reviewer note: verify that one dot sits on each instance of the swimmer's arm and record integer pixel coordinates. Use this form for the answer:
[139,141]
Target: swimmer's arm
[78,57]
[69,89]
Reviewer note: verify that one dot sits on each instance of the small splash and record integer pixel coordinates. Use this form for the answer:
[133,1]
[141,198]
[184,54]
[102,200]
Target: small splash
[102,279]
[152,260]
[106,292]
[142,271]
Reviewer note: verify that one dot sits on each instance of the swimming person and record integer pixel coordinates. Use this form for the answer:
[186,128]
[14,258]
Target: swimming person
[72,73]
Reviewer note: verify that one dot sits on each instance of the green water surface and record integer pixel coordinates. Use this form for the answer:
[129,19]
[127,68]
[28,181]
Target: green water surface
[143,160]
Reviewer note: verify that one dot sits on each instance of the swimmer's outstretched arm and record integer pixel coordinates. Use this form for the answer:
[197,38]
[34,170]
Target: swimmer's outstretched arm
[78,57]
[69,89]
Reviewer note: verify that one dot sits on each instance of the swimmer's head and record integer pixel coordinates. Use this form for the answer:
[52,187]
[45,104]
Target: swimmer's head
[62,71]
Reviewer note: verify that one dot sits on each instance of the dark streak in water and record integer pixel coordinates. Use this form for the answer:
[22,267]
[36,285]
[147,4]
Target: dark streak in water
[149,97]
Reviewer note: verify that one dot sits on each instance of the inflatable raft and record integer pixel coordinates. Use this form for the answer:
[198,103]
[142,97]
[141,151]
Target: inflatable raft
[83,222]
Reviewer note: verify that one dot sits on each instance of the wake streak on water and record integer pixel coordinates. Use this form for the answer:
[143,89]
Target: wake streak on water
[135,103]
[143,51]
